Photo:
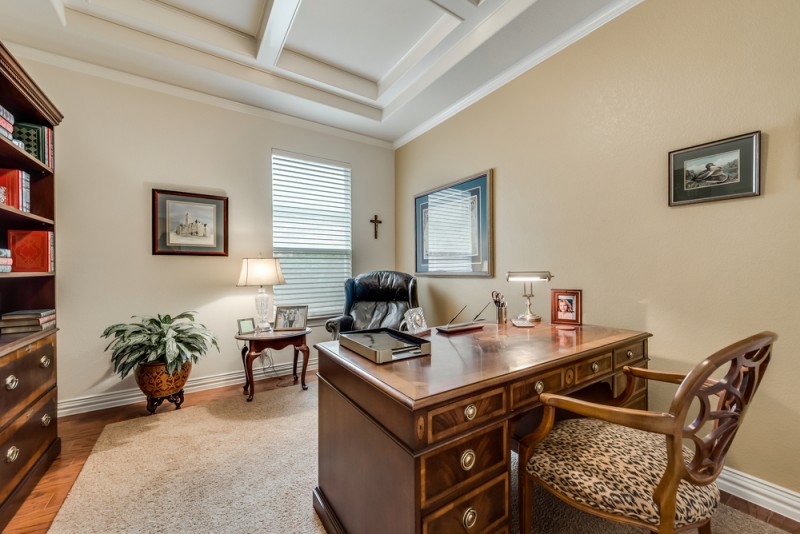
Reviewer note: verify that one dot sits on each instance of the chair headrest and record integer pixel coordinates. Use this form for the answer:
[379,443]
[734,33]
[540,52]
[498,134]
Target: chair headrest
[382,286]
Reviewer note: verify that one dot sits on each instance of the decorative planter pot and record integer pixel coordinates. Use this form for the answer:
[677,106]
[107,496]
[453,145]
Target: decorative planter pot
[155,382]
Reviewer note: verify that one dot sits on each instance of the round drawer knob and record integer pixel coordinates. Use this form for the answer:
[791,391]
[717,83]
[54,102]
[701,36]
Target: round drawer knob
[45,361]
[46,420]
[595,367]
[470,518]
[539,387]
[629,354]
[468,460]
[11,382]
[470,412]
[12,454]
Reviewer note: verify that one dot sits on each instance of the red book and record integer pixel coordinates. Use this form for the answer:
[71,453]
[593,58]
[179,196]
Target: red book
[11,179]
[6,261]
[31,250]
[7,126]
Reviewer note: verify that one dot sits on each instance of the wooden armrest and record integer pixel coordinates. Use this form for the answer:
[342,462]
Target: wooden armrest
[650,374]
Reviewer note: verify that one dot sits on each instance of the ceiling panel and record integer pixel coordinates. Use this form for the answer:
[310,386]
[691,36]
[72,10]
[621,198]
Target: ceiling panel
[244,16]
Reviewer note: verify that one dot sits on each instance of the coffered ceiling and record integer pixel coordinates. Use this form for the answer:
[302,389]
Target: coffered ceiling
[388,69]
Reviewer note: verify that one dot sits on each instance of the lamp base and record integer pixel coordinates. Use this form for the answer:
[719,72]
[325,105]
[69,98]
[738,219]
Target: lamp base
[532,317]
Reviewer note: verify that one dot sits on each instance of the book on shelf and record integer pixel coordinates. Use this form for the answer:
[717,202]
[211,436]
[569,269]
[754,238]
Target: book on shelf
[29,314]
[29,328]
[6,261]
[32,321]
[7,115]
[5,252]
[5,125]
[38,141]
[18,188]
[5,268]
[7,135]
[33,251]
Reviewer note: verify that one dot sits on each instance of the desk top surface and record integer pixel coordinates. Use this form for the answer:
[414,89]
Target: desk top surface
[471,360]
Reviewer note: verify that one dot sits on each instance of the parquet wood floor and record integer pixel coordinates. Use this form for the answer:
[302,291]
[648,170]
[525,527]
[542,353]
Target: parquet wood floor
[80,432]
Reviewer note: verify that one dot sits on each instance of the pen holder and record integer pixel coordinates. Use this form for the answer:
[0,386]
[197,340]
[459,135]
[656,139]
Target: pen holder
[502,315]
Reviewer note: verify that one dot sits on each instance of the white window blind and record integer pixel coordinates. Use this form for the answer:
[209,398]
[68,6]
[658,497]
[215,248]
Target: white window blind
[311,232]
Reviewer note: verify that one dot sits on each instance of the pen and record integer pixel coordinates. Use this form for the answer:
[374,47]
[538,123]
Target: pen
[456,315]
[480,312]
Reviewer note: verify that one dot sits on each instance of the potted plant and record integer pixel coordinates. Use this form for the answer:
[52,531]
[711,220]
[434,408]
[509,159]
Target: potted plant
[160,351]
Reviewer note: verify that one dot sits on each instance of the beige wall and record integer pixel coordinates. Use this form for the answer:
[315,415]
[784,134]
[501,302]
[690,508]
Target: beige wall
[579,145]
[116,144]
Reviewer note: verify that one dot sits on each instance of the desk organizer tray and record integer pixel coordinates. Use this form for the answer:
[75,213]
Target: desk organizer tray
[384,345]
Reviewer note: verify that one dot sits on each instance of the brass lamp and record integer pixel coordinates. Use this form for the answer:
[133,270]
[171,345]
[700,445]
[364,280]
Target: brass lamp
[261,272]
[527,278]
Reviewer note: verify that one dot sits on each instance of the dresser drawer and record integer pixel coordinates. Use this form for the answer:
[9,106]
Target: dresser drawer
[461,415]
[593,368]
[24,441]
[25,375]
[483,510]
[526,392]
[628,355]
[457,465]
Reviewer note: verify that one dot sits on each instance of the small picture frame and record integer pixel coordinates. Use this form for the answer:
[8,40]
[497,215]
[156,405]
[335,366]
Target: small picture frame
[719,170]
[290,317]
[246,326]
[565,306]
[189,223]
[414,320]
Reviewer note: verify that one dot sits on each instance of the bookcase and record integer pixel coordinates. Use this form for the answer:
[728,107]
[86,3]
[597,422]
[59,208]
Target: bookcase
[29,439]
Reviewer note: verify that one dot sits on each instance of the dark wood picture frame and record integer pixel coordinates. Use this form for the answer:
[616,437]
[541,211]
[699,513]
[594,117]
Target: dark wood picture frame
[454,228]
[720,170]
[566,306]
[189,223]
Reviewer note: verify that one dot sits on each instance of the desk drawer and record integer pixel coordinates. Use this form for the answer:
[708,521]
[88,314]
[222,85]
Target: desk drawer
[483,510]
[459,416]
[592,368]
[25,375]
[24,441]
[526,392]
[453,467]
[628,355]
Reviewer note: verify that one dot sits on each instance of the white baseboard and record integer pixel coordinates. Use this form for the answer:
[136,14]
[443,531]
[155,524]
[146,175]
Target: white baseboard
[132,396]
[765,494]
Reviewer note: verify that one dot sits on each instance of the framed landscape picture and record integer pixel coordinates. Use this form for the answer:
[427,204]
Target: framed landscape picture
[453,228]
[189,223]
[719,170]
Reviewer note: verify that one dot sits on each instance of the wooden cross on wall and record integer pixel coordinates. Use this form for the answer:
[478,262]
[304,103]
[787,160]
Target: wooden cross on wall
[376,222]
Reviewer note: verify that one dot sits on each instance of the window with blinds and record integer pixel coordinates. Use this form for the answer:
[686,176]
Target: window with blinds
[311,232]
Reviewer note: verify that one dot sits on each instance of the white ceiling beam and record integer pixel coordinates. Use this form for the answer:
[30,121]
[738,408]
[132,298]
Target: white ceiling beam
[279,18]
[58,6]
[322,73]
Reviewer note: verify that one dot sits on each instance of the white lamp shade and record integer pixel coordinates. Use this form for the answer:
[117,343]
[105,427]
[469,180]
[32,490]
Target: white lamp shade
[260,272]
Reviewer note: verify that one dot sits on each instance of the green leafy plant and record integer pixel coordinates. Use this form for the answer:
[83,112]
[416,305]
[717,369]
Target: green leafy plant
[170,340]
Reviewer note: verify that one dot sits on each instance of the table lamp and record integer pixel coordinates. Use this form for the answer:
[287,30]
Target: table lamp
[261,272]
[527,278]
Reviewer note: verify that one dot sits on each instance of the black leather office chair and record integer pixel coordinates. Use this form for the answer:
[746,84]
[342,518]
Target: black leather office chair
[378,299]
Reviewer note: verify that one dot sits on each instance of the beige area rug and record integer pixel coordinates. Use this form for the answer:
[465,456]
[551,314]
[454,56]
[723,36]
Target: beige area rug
[233,467]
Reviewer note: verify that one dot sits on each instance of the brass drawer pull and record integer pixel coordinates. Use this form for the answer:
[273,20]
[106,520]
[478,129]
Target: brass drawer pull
[470,518]
[629,354]
[595,367]
[46,420]
[45,361]
[539,387]
[470,412]
[12,454]
[11,382]
[468,460]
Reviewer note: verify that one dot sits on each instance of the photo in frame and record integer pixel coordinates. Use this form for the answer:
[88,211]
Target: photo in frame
[414,321]
[453,229]
[720,170]
[565,306]
[189,223]
[290,317]
[246,326]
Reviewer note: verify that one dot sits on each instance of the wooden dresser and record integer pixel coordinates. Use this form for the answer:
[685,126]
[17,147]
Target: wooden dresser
[28,394]
[423,445]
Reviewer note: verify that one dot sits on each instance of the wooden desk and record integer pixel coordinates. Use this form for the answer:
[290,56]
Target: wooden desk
[423,445]
[256,343]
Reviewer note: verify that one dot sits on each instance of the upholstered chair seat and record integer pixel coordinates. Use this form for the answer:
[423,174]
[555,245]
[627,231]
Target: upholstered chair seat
[614,470]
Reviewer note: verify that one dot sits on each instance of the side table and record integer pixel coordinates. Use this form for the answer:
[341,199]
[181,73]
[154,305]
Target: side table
[258,342]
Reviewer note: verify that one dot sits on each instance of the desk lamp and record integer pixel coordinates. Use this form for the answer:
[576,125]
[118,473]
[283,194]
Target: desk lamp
[261,272]
[527,278]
